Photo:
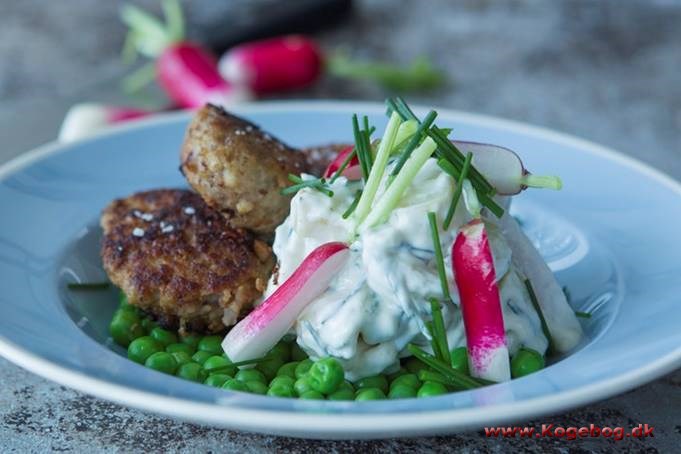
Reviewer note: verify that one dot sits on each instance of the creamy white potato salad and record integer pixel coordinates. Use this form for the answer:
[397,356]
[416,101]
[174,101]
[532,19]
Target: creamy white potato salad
[378,302]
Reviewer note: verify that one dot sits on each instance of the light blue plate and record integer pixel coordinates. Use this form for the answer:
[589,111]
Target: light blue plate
[611,236]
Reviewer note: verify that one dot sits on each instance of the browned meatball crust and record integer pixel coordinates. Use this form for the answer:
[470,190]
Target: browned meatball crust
[179,260]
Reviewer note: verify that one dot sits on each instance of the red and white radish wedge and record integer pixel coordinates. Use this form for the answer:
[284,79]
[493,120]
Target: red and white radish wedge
[352,171]
[563,326]
[503,168]
[256,334]
[483,320]
[84,119]
[275,64]
[189,76]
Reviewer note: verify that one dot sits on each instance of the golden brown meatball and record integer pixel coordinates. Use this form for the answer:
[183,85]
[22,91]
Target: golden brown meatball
[180,261]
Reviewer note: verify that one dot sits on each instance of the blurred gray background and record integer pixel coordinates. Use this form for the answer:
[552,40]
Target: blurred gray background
[607,71]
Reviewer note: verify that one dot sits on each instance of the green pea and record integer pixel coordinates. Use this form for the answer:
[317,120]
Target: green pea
[235,385]
[201,356]
[191,340]
[401,392]
[218,364]
[211,344]
[164,337]
[248,375]
[410,380]
[281,391]
[431,388]
[399,373]
[216,380]
[181,358]
[525,362]
[282,351]
[369,394]
[326,375]
[192,371]
[312,395]
[282,380]
[345,391]
[142,348]
[162,362]
[297,353]
[256,387]
[375,381]
[302,385]
[288,369]
[270,367]
[125,327]
[459,359]
[303,367]
[148,324]
[180,347]
[413,365]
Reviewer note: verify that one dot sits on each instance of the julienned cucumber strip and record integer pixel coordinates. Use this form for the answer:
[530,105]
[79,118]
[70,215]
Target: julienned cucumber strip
[392,195]
[378,169]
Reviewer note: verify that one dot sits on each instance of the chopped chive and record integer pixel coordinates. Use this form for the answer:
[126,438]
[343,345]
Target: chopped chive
[414,141]
[295,179]
[434,342]
[581,314]
[439,332]
[343,166]
[88,285]
[353,205]
[360,147]
[458,379]
[535,303]
[367,141]
[378,169]
[457,192]
[439,258]
[487,201]
[318,184]
[428,375]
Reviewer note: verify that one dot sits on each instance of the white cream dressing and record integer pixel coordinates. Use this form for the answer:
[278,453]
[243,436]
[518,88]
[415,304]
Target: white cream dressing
[378,302]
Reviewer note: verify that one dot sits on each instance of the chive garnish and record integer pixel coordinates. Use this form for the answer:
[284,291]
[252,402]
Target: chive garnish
[581,314]
[439,332]
[457,192]
[363,154]
[88,285]
[487,201]
[317,183]
[456,378]
[535,303]
[428,375]
[241,363]
[353,205]
[439,258]
[414,142]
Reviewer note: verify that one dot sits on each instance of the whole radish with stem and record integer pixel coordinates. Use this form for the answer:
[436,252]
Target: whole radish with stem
[187,72]
[475,278]
[260,330]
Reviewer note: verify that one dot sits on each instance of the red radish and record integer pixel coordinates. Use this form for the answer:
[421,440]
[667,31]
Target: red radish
[256,334]
[565,330]
[274,64]
[352,171]
[84,119]
[483,319]
[187,72]
[503,168]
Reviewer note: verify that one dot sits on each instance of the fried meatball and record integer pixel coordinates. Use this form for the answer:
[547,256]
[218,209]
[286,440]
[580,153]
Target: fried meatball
[238,169]
[180,261]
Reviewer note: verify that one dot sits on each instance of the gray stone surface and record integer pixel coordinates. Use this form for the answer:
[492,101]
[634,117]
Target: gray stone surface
[603,70]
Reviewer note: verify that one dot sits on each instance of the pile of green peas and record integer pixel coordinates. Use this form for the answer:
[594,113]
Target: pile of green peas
[288,371]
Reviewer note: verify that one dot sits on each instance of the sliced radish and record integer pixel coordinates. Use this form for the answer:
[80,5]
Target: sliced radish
[275,64]
[353,170]
[504,169]
[563,326]
[475,277]
[256,334]
[84,119]
[189,76]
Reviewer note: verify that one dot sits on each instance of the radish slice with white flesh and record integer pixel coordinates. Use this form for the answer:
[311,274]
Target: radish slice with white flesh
[352,171]
[483,319]
[256,334]
[563,326]
[503,168]
[85,119]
